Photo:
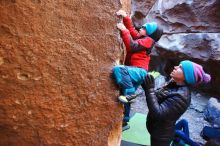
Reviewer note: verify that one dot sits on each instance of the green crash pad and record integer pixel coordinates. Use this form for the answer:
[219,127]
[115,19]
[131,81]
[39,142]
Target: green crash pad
[137,133]
[155,74]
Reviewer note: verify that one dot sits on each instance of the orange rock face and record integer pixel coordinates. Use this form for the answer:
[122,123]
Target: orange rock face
[56,87]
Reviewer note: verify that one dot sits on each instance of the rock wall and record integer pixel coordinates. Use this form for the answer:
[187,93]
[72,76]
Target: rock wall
[55,68]
[186,15]
[191,31]
[140,9]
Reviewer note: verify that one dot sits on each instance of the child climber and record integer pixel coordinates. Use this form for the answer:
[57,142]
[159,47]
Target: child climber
[168,103]
[138,47]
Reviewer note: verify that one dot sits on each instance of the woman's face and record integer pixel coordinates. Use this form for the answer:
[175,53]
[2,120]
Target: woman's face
[142,32]
[177,74]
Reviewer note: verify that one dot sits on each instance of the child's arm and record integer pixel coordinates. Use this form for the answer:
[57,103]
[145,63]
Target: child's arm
[126,37]
[132,46]
[128,24]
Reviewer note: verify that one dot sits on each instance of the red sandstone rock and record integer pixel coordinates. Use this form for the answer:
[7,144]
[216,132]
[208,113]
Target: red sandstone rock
[55,64]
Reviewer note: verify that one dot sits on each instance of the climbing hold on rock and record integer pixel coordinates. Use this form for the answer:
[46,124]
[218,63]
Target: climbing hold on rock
[23,76]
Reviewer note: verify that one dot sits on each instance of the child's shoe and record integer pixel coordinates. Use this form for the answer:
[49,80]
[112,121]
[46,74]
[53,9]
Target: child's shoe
[128,98]
[123,99]
[125,126]
[131,98]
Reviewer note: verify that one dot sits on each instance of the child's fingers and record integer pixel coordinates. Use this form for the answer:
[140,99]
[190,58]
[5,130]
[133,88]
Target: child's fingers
[119,25]
[120,12]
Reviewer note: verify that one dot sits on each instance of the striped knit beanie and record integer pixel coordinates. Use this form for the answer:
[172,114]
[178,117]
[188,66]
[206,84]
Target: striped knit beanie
[194,73]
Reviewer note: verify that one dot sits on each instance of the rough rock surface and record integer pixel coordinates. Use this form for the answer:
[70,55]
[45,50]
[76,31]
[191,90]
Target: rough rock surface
[140,9]
[186,15]
[55,64]
[212,112]
[201,46]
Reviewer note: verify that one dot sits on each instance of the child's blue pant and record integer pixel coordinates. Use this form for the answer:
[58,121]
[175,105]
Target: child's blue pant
[128,78]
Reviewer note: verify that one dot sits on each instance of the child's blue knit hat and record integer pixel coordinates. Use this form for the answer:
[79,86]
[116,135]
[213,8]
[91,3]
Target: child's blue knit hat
[150,27]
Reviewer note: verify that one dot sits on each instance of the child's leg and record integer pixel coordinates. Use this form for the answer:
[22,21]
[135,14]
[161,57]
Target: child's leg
[123,79]
[137,75]
[127,108]
[126,117]
[183,125]
[129,78]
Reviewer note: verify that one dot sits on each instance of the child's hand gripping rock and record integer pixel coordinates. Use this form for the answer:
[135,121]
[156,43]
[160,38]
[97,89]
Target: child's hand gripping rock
[121,13]
[121,26]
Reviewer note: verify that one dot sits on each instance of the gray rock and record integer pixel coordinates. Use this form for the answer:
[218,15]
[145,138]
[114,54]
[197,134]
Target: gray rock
[212,112]
[202,46]
[186,15]
[140,9]
[198,102]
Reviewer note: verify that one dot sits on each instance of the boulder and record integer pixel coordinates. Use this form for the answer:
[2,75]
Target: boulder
[55,68]
[139,10]
[212,112]
[200,46]
[177,16]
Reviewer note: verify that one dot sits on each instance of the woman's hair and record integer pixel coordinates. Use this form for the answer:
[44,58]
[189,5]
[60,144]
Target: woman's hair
[213,142]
